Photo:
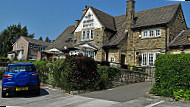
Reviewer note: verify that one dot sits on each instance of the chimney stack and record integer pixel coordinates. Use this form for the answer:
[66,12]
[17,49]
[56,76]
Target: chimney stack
[84,11]
[130,14]
[77,23]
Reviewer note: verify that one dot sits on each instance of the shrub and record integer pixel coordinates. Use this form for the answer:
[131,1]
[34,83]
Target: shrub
[1,74]
[107,74]
[172,75]
[80,73]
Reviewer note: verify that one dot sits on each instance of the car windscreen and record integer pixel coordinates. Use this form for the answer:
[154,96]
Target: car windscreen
[18,68]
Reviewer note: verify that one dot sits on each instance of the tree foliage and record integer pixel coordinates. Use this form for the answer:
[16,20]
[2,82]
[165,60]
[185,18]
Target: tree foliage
[47,39]
[9,36]
[41,38]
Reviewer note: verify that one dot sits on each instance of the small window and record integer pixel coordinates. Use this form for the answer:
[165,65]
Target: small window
[151,33]
[87,34]
[145,33]
[112,59]
[22,46]
[31,46]
[158,32]
[92,35]
[83,35]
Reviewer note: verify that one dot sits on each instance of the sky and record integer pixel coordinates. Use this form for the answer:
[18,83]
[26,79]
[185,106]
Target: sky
[51,17]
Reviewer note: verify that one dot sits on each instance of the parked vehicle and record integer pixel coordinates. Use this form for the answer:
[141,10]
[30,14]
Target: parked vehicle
[20,77]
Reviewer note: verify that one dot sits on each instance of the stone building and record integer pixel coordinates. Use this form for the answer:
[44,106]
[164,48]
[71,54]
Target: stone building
[134,38]
[27,49]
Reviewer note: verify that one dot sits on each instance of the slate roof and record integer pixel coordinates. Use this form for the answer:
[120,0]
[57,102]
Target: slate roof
[145,18]
[182,39]
[37,42]
[105,19]
[64,39]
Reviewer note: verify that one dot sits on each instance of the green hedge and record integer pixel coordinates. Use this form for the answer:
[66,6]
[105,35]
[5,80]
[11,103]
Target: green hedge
[1,74]
[172,76]
[107,75]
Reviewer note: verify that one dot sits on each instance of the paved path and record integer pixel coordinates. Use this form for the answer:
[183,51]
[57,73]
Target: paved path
[123,93]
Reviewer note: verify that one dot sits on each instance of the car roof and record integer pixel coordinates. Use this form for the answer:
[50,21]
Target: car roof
[21,64]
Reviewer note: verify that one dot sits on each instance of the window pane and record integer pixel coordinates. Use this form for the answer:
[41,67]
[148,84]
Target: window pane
[83,35]
[87,34]
[158,32]
[151,59]
[151,33]
[92,34]
[145,34]
[144,59]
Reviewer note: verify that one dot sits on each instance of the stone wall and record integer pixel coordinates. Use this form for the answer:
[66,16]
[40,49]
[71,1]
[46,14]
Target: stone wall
[129,77]
[177,25]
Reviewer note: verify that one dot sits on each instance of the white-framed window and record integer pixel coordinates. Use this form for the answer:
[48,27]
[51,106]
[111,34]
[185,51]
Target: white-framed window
[91,34]
[144,59]
[151,59]
[87,35]
[112,59]
[83,35]
[158,33]
[148,58]
[145,33]
[151,33]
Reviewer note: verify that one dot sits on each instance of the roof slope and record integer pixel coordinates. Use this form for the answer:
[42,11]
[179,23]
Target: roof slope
[155,16]
[105,19]
[145,18]
[182,40]
[63,39]
[37,42]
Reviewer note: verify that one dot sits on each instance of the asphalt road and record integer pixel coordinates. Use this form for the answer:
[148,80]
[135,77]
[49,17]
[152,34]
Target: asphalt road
[125,96]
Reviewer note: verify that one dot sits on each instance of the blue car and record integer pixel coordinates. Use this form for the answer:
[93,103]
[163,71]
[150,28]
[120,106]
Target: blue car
[20,77]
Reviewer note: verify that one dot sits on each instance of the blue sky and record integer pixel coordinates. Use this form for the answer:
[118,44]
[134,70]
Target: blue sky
[51,17]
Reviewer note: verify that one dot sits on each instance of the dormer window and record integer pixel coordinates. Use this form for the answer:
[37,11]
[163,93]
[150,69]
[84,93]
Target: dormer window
[87,35]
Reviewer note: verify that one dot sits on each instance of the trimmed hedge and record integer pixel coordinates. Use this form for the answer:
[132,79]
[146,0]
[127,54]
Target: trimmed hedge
[107,75]
[80,73]
[172,76]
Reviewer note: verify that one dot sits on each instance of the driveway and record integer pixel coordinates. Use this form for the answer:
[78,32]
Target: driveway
[125,96]
[123,93]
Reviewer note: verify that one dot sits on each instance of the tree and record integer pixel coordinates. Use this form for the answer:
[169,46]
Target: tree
[9,36]
[47,39]
[41,38]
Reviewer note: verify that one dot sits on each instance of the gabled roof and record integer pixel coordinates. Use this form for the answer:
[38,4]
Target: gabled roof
[34,41]
[105,19]
[64,39]
[145,18]
[182,39]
